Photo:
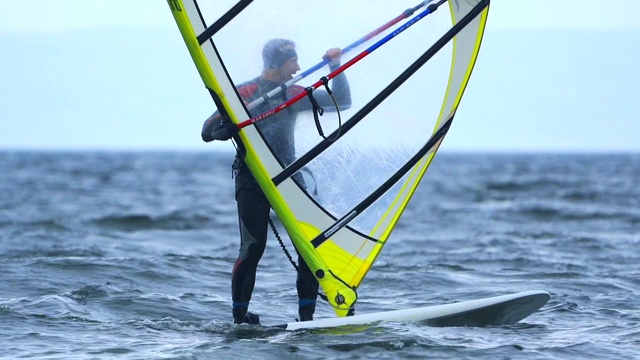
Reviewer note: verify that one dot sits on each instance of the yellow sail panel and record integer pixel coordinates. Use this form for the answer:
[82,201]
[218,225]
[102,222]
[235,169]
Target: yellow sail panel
[384,227]
[339,184]
[465,52]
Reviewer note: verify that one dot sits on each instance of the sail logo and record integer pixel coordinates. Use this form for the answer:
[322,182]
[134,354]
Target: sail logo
[174,5]
[340,224]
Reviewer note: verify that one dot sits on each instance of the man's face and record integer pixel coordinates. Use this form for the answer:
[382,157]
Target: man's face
[289,69]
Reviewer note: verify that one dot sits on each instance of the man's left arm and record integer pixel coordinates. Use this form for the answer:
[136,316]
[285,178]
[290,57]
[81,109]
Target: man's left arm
[339,85]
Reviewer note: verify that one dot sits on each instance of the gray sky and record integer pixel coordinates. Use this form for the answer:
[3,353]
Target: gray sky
[551,76]
[38,15]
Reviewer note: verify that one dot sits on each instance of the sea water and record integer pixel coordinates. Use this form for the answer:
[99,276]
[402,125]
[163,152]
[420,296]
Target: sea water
[128,255]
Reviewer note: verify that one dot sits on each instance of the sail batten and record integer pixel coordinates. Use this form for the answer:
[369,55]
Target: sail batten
[339,197]
[220,23]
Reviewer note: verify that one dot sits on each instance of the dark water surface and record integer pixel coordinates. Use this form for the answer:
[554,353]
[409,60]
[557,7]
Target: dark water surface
[128,255]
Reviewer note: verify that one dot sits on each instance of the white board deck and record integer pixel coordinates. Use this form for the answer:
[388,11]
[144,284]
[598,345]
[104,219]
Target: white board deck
[498,310]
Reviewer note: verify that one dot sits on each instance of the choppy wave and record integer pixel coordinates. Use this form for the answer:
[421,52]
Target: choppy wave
[128,255]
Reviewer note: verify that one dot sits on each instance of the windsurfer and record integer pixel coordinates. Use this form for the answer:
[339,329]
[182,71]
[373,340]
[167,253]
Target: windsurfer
[280,63]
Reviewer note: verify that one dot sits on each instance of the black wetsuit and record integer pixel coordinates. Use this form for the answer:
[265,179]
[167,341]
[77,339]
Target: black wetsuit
[253,206]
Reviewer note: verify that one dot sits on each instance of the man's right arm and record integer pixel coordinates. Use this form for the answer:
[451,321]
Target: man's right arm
[215,128]
[208,126]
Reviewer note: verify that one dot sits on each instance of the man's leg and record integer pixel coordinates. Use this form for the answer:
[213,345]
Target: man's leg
[253,216]
[307,286]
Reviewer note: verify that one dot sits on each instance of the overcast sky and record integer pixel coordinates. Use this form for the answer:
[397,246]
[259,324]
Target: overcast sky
[31,115]
[38,15]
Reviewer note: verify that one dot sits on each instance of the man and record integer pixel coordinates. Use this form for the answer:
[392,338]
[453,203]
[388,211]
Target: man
[280,64]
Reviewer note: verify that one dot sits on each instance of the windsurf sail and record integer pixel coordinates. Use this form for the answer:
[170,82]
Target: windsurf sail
[339,196]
